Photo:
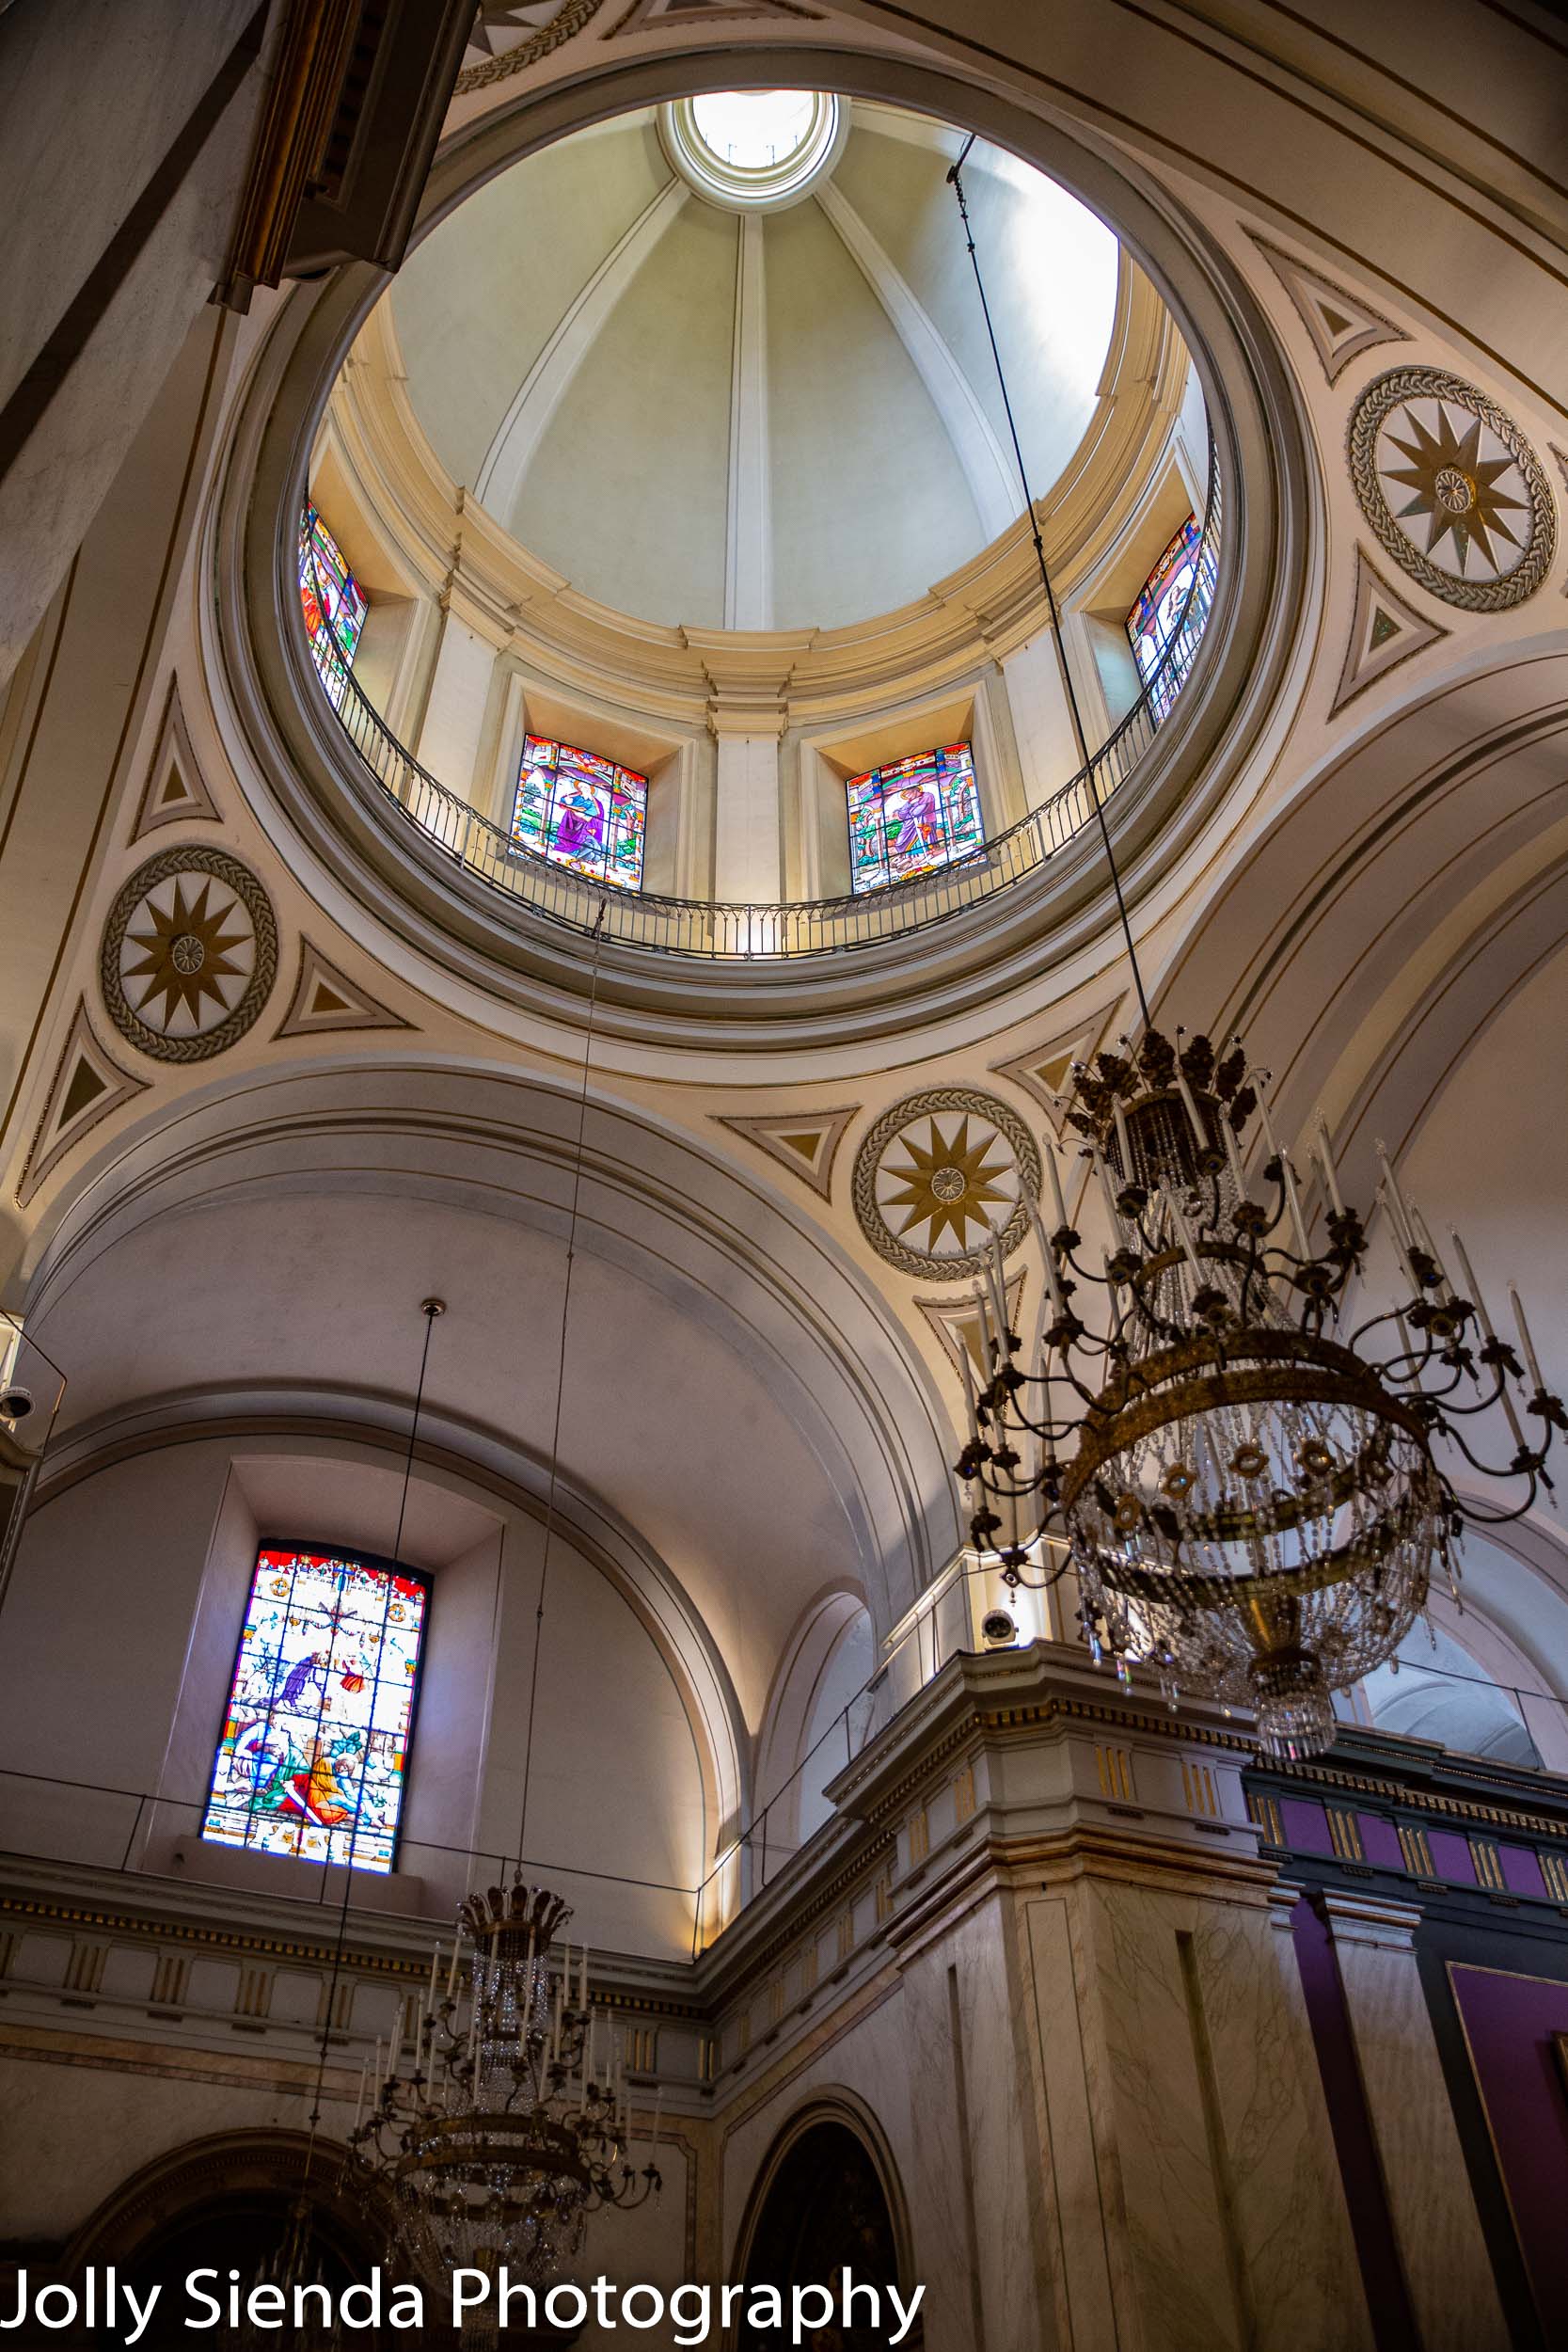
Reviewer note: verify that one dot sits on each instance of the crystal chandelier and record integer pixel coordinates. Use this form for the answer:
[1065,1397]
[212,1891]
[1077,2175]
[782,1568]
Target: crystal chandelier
[510,2127]
[1245,1491]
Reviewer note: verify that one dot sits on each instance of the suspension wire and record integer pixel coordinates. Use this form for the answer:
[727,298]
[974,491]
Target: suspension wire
[430,1309]
[561,1370]
[955,181]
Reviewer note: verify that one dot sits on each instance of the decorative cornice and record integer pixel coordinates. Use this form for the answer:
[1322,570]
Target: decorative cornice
[217,1939]
[1420,1801]
[977,615]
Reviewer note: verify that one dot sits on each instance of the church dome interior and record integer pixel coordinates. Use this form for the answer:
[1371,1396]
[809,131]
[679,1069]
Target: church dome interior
[783,894]
[582,387]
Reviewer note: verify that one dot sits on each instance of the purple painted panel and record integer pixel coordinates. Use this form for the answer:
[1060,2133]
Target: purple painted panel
[1372,2225]
[1450,1857]
[1380,1841]
[1306,1825]
[1522,1873]
[1508,2023]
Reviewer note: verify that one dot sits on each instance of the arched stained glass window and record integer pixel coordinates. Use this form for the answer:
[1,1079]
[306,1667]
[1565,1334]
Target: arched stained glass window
[314,1751]
[912,816]
[581,811]
[334,603]
[1186,568]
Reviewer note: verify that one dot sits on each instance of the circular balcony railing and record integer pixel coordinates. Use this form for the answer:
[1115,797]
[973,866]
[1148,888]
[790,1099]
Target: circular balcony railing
[727,931]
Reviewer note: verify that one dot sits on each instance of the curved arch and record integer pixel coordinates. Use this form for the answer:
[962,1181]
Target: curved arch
[1394,871]
[473,1167]
[451,1459]
[789,1773]
[841,2109]
[262,2168]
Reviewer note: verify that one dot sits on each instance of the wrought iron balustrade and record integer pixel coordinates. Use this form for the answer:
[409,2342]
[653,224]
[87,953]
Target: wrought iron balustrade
[726,931]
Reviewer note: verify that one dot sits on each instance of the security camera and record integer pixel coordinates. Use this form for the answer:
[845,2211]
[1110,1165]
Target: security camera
[998,1628]
[16,1402]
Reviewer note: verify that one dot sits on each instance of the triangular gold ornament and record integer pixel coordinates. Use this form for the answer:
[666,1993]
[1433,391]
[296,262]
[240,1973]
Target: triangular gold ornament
[956,1323]
[1045,1071]
[646,16]
[325,999]
[805,1143]
[86,1086]
[1341,323]
[174,792]
[1385,630]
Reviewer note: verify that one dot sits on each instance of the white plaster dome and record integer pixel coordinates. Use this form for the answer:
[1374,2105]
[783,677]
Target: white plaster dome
[765,405]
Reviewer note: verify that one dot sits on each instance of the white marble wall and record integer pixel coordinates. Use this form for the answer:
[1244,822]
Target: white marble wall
[989,2256]
[1443,2253]
[1194,2181]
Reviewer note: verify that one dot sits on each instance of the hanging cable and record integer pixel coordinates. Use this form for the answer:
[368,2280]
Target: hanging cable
[955,181]
[561,1370]
[296,2241]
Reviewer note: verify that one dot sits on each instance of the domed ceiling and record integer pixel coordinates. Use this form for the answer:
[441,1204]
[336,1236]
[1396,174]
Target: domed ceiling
[768,403]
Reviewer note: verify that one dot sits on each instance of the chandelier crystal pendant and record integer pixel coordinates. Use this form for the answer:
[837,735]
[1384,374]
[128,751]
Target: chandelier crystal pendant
[1246,1493]
[511,2126]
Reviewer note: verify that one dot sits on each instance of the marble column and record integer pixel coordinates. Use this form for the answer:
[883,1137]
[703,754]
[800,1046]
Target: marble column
[1192,2174]
[1441,2243]
[989,2253]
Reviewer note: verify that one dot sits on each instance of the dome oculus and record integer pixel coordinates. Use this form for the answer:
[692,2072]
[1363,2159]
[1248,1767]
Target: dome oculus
[754,150]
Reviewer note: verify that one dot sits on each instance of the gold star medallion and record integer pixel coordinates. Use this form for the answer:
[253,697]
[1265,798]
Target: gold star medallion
[187,958]
[1458,493]
[947,1183]
[939,1173]
[189,953]
[1454,490]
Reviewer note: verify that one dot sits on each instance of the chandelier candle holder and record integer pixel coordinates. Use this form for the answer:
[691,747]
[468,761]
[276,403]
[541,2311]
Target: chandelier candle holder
[513,2125]
[1247,1493]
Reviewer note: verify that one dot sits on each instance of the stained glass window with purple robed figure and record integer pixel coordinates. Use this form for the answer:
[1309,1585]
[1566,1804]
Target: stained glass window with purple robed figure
[582,811]
[314,1752]
[1185,570]
[334,603]
[912,816]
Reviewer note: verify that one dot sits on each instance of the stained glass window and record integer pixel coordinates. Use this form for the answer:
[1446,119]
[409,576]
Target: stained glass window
[581,811]
[912,816]
[1155,617]
[315,1741]
[334,604]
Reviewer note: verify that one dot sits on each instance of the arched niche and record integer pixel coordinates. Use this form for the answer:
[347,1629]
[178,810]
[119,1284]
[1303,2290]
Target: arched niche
[709,1318]
[156,1541]
[813,1725]
[827,2199]
[226,2202]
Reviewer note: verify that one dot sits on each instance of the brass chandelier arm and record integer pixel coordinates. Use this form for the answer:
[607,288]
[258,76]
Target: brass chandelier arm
[1251,1504]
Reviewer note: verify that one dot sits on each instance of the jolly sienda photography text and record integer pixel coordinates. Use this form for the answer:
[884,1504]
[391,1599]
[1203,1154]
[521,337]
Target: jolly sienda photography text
[101,2300]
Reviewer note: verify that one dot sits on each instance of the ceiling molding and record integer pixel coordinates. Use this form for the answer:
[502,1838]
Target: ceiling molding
[992,478]
[88,1084]
[517,438]
[805,1143]
[1043,1072]
[453,547]
[174,792]
[324,999]
[1340,325]
[1385,630]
